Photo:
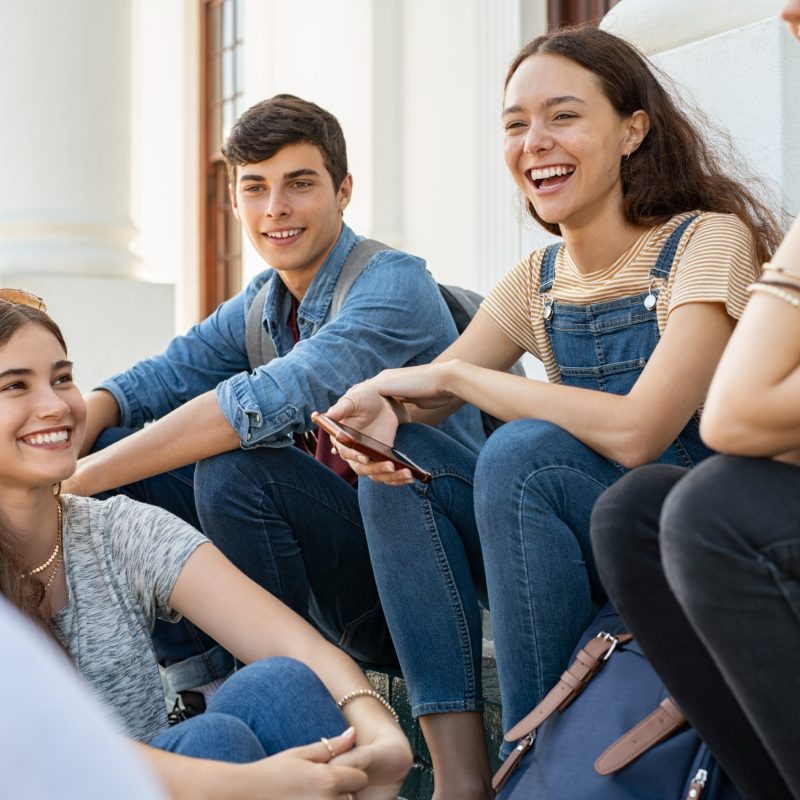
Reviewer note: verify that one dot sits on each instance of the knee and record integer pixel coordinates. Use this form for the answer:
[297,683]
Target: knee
[698,522]
[215,736]
[270,680]
[625,520]
[519,445]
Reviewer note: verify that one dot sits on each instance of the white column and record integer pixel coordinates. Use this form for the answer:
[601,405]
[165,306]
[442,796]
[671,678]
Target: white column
[65,194]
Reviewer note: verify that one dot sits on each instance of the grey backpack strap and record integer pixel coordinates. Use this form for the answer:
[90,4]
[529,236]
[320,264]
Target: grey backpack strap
[260,348]
[356,263]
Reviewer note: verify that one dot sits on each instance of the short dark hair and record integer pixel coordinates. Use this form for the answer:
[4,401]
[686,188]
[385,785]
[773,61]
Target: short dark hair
[285,119]
[674,169]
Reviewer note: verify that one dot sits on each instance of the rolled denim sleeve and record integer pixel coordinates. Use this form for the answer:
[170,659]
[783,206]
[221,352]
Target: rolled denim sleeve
[392,316]
[209,353]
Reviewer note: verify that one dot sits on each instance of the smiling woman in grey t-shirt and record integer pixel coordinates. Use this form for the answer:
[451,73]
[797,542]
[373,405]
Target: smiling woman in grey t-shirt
[97,574]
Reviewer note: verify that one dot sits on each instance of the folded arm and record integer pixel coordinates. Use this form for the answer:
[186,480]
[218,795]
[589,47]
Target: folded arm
[752,407]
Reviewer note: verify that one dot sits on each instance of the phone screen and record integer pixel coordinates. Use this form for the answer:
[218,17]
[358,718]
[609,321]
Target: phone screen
[373,448]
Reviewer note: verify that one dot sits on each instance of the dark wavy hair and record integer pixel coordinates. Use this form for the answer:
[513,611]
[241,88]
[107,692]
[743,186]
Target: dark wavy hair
[674,169]
[285,119]
[28,598]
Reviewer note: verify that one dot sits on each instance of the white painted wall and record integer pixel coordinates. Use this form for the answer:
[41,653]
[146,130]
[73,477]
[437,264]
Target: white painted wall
[320,51]
[165,139]
[738,64]
[745,81]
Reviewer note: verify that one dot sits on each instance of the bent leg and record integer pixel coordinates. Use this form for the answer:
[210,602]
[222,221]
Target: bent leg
[282,701]
[535,485]
[216,736]
[426,554]
[625,536]
[294,527]
[731,548]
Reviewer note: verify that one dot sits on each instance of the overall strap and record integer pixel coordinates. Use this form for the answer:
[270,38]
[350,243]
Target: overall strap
[259,344]
[260,349]
[667,255]
[548,269]
[356,263]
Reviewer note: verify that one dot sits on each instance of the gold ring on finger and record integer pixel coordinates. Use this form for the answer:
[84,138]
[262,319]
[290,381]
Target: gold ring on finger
[329,746]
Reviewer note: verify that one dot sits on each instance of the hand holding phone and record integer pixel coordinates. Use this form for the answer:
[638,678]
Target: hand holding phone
[377,451]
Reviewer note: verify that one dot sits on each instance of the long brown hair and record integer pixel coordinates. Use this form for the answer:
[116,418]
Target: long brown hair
[28,596]
[674,169]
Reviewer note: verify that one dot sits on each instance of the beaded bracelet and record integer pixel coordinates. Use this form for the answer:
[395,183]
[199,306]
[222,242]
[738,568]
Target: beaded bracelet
[369,693]
[775,291]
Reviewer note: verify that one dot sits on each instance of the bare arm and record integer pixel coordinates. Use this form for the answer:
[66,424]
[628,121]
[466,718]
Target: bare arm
[302,772]
[369,405]
[753,407]
[102,412]
[631,429]
[252,624]
[196,430]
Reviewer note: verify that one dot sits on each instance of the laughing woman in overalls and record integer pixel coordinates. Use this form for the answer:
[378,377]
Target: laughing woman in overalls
[629,314]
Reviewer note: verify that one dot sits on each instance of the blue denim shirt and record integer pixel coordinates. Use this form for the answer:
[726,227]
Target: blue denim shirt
[393,316]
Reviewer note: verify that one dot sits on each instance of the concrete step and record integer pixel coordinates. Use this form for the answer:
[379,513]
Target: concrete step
[419,784]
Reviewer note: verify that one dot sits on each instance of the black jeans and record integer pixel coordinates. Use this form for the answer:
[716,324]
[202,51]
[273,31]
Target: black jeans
[704,566]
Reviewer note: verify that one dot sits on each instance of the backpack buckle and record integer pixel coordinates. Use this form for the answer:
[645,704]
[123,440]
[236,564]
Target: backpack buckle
[608,637]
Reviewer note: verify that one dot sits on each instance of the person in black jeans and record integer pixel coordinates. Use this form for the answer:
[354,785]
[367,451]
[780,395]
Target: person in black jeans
[704,565]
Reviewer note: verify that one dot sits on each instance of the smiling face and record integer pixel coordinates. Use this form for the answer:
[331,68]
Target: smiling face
[42,412]
[564,141]
[291,211]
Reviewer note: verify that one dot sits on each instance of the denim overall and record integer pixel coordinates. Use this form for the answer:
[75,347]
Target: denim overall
[605,346]
[513,522]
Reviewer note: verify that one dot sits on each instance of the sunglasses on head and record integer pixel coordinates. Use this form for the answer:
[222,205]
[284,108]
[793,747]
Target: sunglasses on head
[20,297]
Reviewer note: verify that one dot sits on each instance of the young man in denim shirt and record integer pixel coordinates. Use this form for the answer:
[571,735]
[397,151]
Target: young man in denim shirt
[220,450]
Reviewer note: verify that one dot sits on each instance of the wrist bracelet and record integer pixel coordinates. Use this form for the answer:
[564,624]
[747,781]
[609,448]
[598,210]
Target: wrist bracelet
[368,693]
[775,291]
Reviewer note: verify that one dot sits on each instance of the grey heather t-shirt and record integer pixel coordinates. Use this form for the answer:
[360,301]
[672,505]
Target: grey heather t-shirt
[122,559]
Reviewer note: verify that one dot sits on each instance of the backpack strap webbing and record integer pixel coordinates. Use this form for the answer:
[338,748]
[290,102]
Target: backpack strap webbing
[259,344]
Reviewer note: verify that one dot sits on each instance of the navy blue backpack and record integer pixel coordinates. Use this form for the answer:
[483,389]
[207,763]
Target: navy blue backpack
[609,731]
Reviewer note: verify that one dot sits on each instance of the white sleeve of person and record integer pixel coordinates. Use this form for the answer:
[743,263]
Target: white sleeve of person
[56,741]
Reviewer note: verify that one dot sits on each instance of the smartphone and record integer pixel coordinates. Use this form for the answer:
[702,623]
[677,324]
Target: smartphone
[376,450]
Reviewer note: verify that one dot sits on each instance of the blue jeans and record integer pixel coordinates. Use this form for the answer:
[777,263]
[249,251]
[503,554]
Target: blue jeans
[425,551]
[291,525]
[534,488]
[265,708]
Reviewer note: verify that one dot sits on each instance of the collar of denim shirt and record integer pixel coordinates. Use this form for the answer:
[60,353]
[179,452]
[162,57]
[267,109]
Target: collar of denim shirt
[316,302]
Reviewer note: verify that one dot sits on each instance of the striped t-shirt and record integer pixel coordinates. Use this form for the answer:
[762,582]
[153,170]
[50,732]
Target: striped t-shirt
[715,262]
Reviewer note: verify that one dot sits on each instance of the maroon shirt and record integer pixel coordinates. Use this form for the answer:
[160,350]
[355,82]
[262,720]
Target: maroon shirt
[318,443]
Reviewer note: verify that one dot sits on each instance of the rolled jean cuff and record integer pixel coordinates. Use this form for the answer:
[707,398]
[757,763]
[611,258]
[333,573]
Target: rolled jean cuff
[198,670]
[422,709]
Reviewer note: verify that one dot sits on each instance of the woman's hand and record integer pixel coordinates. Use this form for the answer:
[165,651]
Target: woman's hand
[309,773]
[376,408]
[382,750]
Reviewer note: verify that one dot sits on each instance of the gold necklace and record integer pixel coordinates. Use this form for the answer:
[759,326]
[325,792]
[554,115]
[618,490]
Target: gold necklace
[54,554]
[55,572]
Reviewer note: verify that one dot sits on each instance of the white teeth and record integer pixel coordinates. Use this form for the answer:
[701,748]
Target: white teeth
[48,438]
[284,234]
[550,172]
